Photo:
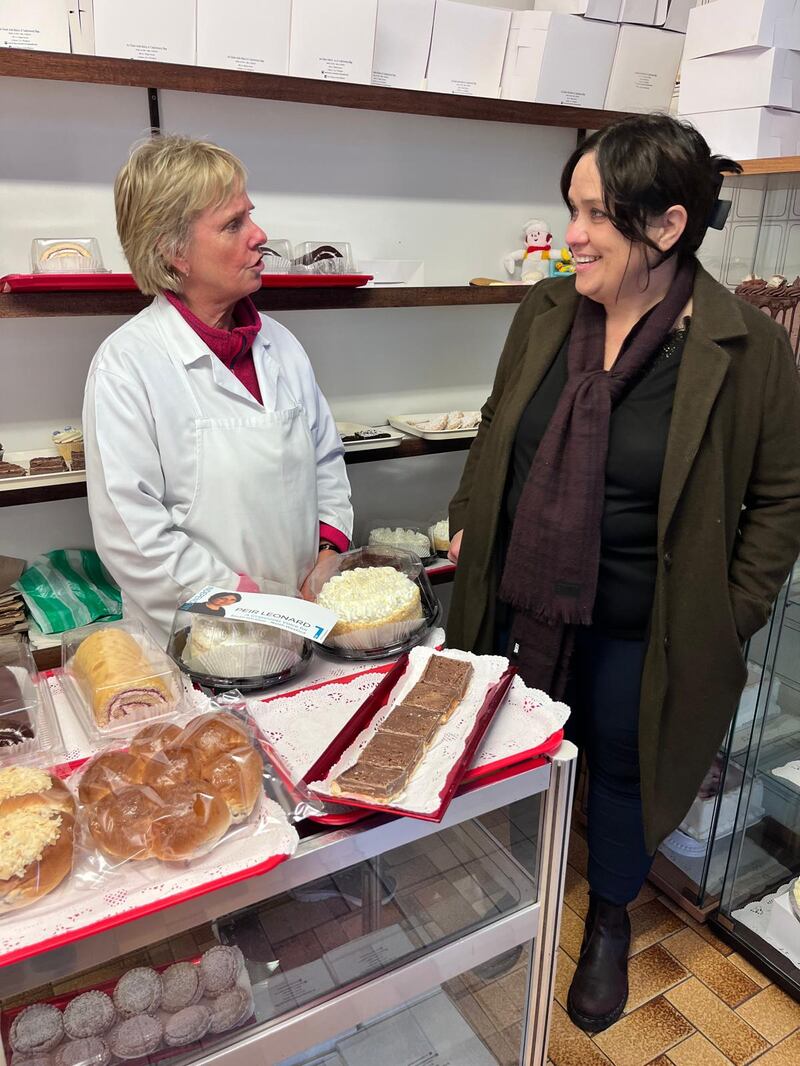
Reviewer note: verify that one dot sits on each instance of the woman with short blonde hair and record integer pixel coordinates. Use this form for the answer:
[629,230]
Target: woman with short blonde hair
[166,183]
[212,457]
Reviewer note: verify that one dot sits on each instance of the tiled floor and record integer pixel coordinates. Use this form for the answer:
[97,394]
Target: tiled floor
[693,1000]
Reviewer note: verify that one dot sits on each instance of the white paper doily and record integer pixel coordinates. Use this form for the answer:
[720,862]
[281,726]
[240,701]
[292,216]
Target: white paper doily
[300,727]
[757,915]
[148,885]
[789,772]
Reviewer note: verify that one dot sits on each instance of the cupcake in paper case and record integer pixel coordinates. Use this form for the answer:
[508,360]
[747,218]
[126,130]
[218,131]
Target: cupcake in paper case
[240,649]
[67,439]
[440,537]
[377,606]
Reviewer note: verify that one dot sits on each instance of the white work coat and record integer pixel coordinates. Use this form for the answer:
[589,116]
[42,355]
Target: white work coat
[192,481]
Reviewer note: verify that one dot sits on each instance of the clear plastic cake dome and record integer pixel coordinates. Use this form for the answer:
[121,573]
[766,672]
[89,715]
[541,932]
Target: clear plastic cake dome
[382,598]
[221,653]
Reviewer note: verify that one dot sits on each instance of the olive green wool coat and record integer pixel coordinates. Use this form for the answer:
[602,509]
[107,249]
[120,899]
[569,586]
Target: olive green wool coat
[728,521]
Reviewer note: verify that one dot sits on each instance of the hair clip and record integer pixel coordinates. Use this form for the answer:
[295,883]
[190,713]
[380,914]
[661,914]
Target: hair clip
[719,214]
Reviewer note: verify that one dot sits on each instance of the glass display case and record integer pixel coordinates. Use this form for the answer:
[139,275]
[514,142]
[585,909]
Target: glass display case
[763,857]
[393,940]
[691,863]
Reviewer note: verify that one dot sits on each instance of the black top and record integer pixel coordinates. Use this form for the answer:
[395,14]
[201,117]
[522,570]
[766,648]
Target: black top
[637,445]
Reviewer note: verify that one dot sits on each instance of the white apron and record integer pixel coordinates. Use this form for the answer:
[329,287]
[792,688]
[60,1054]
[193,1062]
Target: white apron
[267,527]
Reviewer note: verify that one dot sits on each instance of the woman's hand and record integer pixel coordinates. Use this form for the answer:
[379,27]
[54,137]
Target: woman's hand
[455,546]
[322,558]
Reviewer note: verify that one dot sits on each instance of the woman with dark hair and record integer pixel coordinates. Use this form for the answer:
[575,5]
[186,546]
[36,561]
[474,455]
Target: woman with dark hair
[631,505]
[215,604]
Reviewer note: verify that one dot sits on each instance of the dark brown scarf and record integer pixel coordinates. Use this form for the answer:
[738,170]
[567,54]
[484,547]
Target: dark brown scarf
[550,573]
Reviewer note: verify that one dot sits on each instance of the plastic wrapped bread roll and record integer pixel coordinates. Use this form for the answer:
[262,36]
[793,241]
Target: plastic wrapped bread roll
[118,679]
[37,820]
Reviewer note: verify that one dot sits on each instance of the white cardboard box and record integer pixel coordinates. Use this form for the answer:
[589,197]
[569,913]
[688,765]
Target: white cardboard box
[753,77]
[146,29]
[750,133]
[678,15]
[644,12]
[607,10]
[726,25]
[41,25]
[644,70]
[467,49]
[80,14]
[264,48]
[402,42]
[333,39]
[558,59]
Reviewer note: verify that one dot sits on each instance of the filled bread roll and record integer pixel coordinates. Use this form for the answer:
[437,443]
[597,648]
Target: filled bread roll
[117,677]
[154,738]
[121,823]
[37,821]
[238,777]
[194,817]
[213,735]
[109,772]
[172,766]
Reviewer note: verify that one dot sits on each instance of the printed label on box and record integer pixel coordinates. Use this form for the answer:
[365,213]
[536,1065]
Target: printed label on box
[306,619]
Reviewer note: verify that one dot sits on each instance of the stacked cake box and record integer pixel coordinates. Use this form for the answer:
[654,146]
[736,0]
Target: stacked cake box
[740,81]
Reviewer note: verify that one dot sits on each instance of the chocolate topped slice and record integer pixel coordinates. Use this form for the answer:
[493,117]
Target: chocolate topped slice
[412,721]
[13,733]
[392,749]
[449,673]
[431,698]
[379,783]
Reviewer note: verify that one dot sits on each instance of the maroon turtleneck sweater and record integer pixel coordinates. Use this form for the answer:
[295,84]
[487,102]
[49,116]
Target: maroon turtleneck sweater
[234,347]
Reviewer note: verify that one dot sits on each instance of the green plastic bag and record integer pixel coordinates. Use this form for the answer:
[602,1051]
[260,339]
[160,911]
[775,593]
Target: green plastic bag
[66,589]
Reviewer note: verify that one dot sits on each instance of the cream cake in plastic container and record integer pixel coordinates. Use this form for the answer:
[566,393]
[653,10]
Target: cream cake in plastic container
[407,537]
[382,598]
[224,653]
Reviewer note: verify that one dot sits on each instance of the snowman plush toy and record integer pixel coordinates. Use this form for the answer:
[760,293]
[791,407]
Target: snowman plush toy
[538,259]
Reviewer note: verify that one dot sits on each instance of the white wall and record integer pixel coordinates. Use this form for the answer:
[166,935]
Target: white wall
[448,191]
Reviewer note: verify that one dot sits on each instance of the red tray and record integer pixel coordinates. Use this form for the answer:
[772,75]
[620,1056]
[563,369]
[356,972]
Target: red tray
[314,281]
[125,282]
[63,999]
[367,711]
[68,283]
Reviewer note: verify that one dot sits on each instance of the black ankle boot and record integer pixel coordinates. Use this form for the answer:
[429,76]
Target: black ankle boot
[599,989]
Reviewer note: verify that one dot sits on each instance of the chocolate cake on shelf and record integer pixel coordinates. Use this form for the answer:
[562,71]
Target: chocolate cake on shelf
[778,298]
[48,464]
[12,470]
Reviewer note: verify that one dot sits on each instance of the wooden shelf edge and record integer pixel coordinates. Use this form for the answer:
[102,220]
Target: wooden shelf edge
[788,164]
[103,70]
[409,448]
[86,304]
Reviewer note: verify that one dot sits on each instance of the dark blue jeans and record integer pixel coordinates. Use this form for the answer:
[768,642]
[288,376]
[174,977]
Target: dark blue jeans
[604,697]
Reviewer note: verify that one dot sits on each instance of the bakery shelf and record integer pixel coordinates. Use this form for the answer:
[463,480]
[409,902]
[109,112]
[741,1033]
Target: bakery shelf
[103,70]
[788,164]
[67,304]
[410,448]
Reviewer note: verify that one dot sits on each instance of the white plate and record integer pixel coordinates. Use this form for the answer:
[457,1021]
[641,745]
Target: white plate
[402,423]
[346,428]
[28,480]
